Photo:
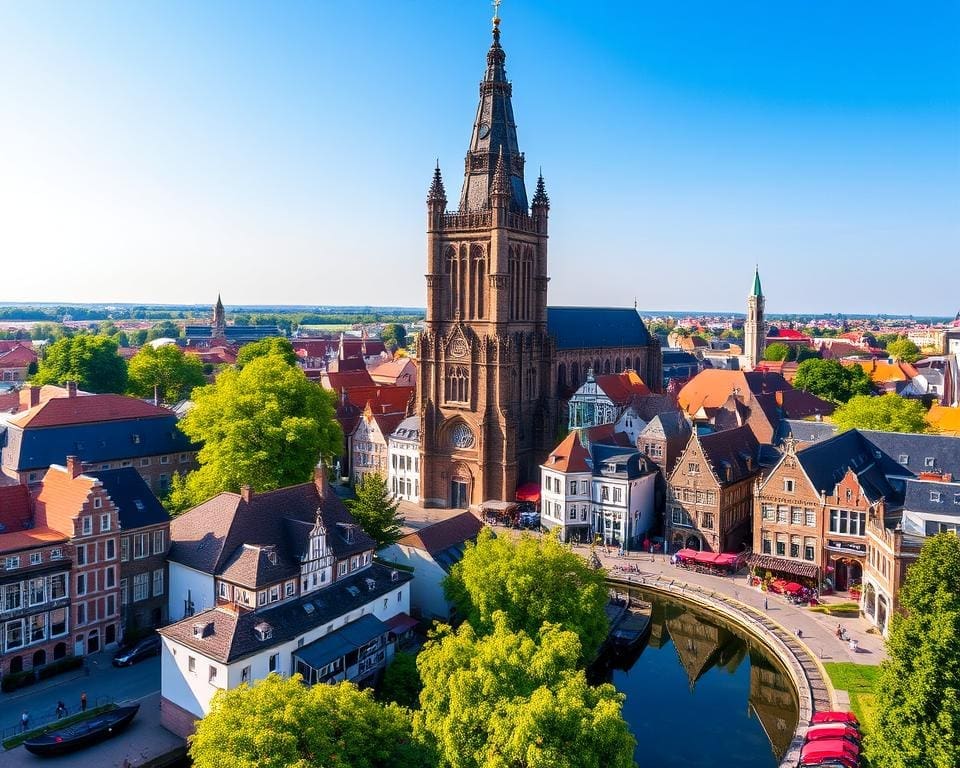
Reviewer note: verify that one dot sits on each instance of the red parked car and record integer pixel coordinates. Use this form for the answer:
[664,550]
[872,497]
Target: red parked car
[835,717]
[818,752]
[833,731]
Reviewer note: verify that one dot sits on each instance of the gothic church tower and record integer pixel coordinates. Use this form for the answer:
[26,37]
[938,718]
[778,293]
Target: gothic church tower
[485,388]
[755,328]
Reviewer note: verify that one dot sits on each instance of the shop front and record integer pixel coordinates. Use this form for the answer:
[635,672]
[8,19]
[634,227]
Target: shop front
[765,567]
[845,561]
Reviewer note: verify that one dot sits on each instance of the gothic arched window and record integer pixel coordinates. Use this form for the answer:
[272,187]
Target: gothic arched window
[575,375]
[618,367]
[457,384]
[606,366]
[626,364]
[561,375]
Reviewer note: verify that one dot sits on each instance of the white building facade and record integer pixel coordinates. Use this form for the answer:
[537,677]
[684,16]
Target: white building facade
[403,451]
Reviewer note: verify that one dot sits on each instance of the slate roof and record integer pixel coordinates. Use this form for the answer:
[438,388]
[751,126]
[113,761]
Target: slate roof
[670,424]
[588,327]
[94,442]
[735,448]
[207,538]
[917,497]
[943,449]
[252,566]
[804,431]
[137,505]
[232,636]
[408,429]
[452,532]
[827,462]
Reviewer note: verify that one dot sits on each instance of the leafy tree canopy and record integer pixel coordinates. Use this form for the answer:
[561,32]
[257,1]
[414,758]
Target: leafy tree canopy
[376,510]
[832,380]
[166,370]
[265,426]
[505,700]
[91,361]
[401,681]
[280,723]
[917,723]
[394,336]
[889,412]
[903,349]
[777,352]
[275,345]
[532,582]
[164,330]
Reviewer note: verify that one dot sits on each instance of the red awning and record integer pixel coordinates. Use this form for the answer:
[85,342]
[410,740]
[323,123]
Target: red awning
[686,554]
[529,492]
[401,623]
[727,559]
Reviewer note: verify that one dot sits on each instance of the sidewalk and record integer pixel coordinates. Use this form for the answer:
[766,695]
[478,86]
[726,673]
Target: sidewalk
[818,629]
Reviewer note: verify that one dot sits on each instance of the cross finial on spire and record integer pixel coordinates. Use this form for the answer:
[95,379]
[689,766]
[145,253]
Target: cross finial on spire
[496,11]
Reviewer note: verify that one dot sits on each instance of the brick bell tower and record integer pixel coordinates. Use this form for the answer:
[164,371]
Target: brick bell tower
[486,394]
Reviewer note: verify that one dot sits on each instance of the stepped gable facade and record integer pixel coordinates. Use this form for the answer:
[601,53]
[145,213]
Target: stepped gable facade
[493,360]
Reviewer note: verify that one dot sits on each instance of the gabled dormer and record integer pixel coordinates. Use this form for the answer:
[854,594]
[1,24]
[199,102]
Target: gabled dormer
[316,563]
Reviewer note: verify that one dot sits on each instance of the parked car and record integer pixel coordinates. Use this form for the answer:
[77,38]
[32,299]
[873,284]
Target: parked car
[143,649]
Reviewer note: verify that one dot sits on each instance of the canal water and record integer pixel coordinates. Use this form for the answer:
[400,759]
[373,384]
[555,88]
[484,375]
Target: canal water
[701,692]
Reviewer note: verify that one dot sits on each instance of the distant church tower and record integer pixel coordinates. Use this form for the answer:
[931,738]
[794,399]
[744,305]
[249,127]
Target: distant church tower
[219,319]
[485,388]
[755,328]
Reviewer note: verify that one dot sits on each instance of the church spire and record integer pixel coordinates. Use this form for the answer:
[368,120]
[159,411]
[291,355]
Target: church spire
[437,193]
[756,282]
[540,196]
[494,129]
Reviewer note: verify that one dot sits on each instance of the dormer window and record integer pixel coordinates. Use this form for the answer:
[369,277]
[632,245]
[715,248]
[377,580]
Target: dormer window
[263,631]
[930,462]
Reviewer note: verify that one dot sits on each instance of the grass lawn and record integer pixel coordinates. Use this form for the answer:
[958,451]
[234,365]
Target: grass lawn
[860,681]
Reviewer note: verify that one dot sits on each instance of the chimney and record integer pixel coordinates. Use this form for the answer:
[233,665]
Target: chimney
[246,493]
[320,479]
[74,466]
[34,396]
[71,389]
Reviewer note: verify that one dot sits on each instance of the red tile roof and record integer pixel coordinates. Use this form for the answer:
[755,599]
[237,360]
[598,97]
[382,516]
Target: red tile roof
[622,387]
[35,537]
[18,357]
[84,409]
[61,498]
[445,534]
[570,456]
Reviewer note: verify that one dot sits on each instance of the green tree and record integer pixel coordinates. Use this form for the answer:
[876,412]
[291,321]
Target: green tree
[917,721]
[401,682]
[889,412]
[778,352]
[271,346]
[265,426]
[903,349]
[166,371]
[139,338]
[280,723]
[505,700]
[394,336]
[831,379]
[376,509]
[806,353]
[164,330]
[533,582]
[91,361]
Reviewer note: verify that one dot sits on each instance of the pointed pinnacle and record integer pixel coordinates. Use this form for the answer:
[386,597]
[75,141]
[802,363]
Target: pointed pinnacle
[437,193]
[500,186]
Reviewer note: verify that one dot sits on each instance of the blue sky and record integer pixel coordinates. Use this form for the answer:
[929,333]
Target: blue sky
[281,152]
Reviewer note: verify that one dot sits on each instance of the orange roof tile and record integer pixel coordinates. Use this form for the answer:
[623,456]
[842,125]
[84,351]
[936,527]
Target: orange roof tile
[569,456]
[944,419]
[881,371]
[621,387]
[61,497]
[35,537]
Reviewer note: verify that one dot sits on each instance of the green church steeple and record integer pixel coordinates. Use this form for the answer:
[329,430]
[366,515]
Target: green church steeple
[756,283]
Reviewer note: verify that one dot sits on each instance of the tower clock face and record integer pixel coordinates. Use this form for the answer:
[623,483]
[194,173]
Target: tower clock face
[484,131]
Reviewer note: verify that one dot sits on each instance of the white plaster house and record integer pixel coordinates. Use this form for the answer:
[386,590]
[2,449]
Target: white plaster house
[280,582]
[403,450]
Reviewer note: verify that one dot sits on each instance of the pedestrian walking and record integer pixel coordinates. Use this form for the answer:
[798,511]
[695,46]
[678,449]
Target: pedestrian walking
[83,701]
[61,709]
[765,607]
[799,633]
[25,721]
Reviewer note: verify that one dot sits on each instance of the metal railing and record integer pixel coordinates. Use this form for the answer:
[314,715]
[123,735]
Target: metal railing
[39,722]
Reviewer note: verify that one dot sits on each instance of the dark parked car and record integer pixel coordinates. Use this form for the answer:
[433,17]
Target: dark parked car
[144,649]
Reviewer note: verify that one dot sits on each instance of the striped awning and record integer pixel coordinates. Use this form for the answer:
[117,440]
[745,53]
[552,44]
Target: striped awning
[782,564]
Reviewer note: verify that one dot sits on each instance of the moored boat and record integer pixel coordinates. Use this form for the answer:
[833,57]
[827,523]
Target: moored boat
[633,626]
[62,740]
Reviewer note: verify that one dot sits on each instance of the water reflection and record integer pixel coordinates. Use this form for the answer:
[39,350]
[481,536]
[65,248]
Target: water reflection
[701,694]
